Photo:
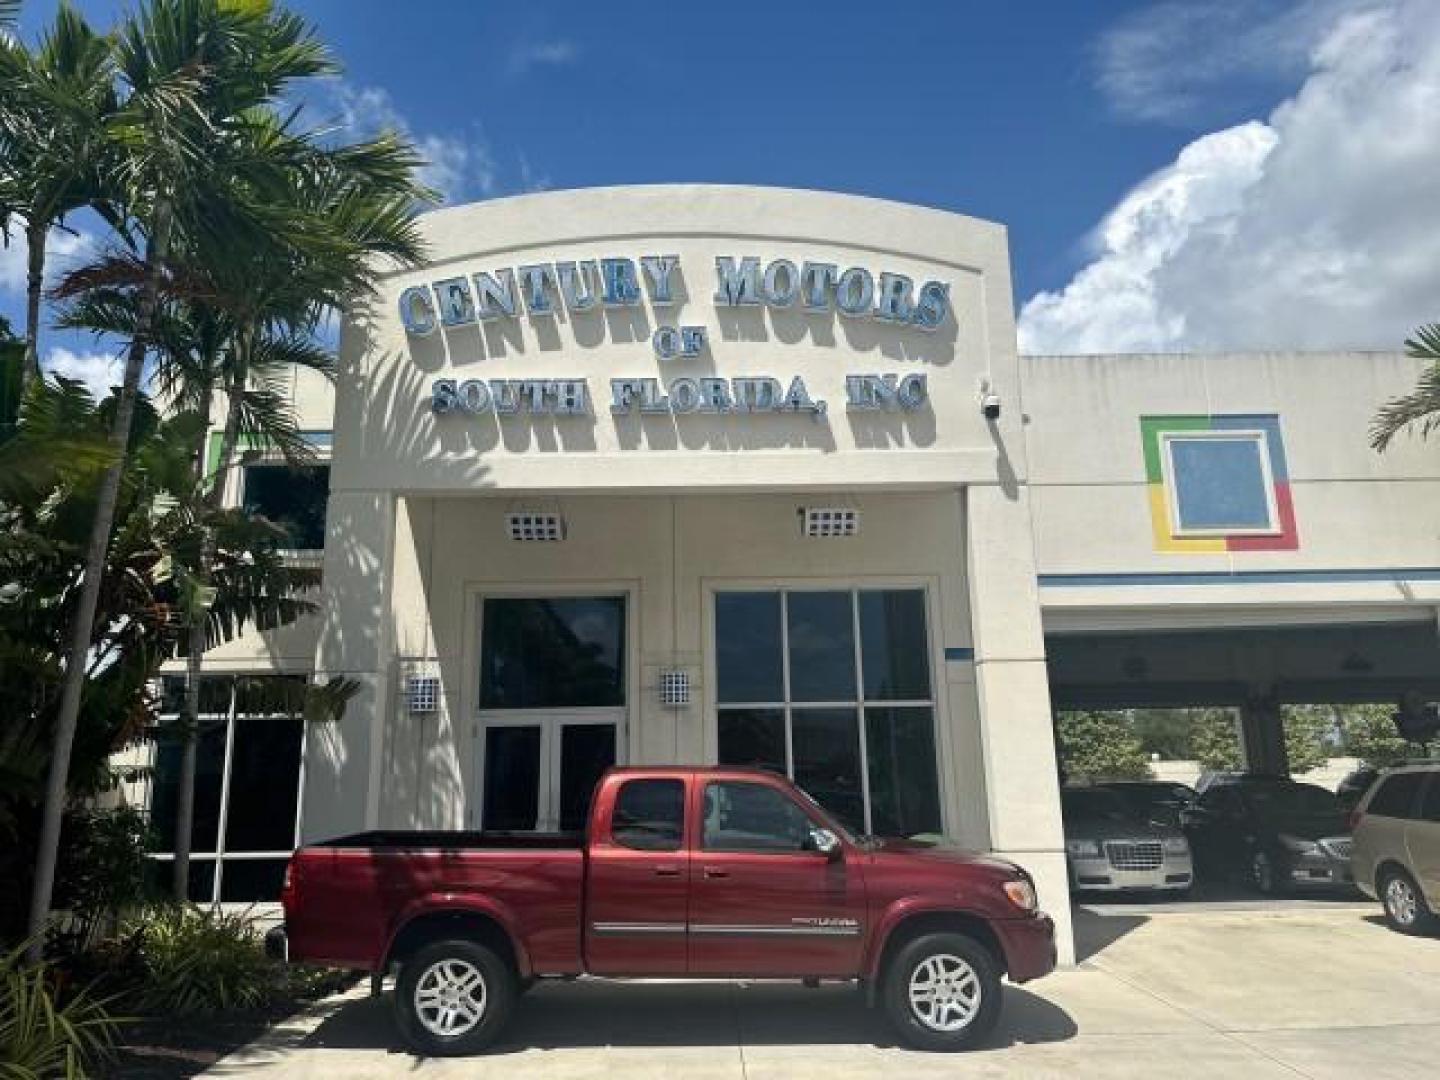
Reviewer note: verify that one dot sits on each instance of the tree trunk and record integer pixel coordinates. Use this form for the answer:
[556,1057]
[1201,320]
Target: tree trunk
[194,654]
[210,501]
[34,285]
[82,628]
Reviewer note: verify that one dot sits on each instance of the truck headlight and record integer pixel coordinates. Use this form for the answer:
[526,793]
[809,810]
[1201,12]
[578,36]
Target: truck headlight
[1083,849]
[1298,844]
[1021,894]
[1176,845]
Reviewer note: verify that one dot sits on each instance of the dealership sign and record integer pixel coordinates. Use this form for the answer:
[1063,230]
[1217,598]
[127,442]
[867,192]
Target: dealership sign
[544,289]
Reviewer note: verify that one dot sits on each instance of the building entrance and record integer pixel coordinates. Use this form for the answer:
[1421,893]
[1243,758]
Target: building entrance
[552,708]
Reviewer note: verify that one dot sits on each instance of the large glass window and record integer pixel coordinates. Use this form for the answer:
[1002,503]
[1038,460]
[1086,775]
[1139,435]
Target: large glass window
[247,795]
[832,688]
[552,652]
[292,497]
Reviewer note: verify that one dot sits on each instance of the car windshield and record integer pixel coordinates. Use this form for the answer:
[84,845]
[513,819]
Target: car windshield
[1291,799]
[1094,805]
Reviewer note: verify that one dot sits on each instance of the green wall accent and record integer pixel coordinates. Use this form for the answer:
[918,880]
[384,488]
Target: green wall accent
[1150,429]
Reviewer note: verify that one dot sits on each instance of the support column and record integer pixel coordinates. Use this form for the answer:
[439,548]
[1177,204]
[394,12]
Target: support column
[1262,735]
[343,759]
[1013,692]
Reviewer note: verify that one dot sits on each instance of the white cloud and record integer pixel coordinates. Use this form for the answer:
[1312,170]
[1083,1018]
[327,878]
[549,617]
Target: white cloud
[529,54]
[1180,58]
[62,251]
[1317,229]
[459,167]
[98,371]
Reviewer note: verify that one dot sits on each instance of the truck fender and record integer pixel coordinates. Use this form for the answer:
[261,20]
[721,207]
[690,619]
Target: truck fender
[911,907]
[458,903]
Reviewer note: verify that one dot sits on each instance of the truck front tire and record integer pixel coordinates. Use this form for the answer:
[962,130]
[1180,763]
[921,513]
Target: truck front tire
[453,998]
[942,992]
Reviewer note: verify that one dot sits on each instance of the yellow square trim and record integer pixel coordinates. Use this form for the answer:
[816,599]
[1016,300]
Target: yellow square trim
[1160,524]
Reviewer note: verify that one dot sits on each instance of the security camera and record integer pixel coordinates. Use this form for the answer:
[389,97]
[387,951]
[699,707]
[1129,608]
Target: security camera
[990,406]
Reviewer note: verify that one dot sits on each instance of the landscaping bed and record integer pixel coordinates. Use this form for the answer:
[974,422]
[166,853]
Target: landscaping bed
[170,1048]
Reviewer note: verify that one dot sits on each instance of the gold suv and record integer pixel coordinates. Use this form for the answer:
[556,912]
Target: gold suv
[1396,854]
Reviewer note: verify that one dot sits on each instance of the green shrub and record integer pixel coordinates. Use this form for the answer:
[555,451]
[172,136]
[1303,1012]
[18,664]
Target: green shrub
[194,961]
[102,871]
[42,1036]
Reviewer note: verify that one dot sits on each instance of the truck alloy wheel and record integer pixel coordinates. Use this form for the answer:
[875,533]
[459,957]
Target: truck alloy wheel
[942,992]
[450,997]
[453,997]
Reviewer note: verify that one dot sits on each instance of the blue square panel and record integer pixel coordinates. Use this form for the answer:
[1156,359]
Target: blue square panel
[1220,483]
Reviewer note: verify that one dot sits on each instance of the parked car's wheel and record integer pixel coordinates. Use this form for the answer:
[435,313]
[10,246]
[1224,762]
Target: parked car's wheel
[942,992]
[1405,907]
[1264,874]
[453,998]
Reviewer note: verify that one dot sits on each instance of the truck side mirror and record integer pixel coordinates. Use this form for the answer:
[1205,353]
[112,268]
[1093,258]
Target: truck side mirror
[824,841]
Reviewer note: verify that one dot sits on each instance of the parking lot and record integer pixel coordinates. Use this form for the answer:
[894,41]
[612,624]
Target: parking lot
[1301,988]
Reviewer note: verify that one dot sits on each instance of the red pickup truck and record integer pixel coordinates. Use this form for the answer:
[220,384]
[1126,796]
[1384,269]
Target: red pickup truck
[683,872]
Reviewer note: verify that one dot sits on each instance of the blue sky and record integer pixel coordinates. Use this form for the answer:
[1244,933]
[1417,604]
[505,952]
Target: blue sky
[1142,154]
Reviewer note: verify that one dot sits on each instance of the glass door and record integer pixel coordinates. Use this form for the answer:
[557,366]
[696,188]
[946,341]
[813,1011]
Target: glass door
[539,773]
[552,696]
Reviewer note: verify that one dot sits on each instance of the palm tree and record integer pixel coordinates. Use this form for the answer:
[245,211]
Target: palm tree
[50,471]
[1421,407]
[54,105]
[193,73]
[363,207]
[235,315]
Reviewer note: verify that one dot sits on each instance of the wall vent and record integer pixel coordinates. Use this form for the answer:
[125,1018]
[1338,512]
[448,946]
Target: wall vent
[422,694]
[674,688]
[535,525]
[829,520]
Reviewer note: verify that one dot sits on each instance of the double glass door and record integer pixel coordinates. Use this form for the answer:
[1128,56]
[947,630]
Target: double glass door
[552,707]
[539,772]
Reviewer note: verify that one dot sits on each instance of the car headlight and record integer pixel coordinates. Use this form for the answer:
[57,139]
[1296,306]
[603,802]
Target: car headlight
[1021,893]
[1298,844]
[1083,849]
[1176,845]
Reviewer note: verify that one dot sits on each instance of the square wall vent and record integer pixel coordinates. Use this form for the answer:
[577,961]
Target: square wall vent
[829,520]
[674,688]
[535,526]
[422,694]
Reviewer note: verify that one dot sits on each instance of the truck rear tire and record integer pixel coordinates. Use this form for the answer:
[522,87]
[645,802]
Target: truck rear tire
[453,998]
[942,992]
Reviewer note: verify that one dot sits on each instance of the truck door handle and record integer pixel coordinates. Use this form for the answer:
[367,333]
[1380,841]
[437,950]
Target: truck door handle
[715,872]
[667,871]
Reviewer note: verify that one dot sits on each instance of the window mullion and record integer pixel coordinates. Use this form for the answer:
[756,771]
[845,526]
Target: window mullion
[860,710]
[300,782]
[224,816]
[785,683]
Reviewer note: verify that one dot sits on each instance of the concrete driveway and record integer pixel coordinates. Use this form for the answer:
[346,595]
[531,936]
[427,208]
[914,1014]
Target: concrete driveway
[1280,991]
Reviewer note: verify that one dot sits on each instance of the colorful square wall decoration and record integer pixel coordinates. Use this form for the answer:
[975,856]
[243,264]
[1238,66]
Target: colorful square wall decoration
[1218,483]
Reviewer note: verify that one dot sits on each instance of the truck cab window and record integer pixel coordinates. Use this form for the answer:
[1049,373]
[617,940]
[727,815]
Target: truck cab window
[649,815]
[741,816]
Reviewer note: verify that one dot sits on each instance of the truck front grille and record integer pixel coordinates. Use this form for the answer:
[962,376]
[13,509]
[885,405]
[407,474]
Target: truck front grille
[1134,854]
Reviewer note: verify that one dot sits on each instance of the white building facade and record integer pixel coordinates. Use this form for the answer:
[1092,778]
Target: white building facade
[702,474]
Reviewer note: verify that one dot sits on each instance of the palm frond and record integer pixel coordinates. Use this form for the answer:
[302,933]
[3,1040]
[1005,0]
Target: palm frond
[1419,410]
